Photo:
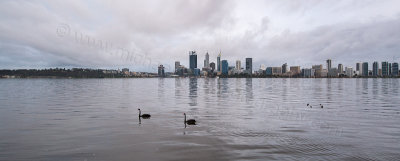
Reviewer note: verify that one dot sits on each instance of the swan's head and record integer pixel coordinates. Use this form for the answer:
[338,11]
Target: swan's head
[184,113]
[138,109]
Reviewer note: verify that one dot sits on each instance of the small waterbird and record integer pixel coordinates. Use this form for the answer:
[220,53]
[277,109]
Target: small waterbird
[190,121]
[144,116]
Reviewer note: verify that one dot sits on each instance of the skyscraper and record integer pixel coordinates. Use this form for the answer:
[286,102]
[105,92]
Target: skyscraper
[390,68]
[375,68]
[207,61]
[284,68]
[219,62]
[359,68]
[249,65]
[328,64]
[224,67]
[385,68]
[395,69]
[161,72]
[238,64]
[177,64]
[340,69]
[365,69]
[192,60]
[349,71]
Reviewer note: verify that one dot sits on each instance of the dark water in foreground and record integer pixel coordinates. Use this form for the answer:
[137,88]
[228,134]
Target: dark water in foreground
[238,119]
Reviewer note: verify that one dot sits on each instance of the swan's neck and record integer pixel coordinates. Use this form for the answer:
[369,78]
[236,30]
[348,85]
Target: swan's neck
[185,118]
[140,112]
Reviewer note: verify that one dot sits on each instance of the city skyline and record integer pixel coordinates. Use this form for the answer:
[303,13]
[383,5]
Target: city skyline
[116,35]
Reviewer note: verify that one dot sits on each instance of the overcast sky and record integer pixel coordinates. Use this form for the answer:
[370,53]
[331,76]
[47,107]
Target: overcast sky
[142,34]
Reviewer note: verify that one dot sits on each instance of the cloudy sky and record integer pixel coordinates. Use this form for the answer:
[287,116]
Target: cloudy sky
[142,34]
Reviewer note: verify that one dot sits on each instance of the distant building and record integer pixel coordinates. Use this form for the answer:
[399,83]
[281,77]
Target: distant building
[295,70]
[212,65]
[333,73]
[349,71]
[385,68]
[249,65]
[318,70]
[395,69]
[308,72]
[225,67]
[365,69]
[390,68]
[284,68]
[161,72]
[192,60]
[328,64]
[268,71]
[375,69]
[219,62]
[125,71]
[340,69]
[238,64]
[177,64]
[207,61]
[273,71]
[359,68]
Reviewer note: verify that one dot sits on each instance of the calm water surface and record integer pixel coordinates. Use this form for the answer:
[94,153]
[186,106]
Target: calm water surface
[238,119]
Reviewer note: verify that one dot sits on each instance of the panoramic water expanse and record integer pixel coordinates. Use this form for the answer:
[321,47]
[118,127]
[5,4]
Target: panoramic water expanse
[238,119]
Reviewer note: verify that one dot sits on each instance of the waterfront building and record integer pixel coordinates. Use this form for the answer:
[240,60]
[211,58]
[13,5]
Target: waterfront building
[219,62]
[238,64]
[365,69]
[340,69]
[225,67]
[333,72]
[390,68]
[308,72]
[395,69]
[318,70]
[295,70]
[385,68]
[177,64]
[196,72]
[192,60]
[284,68]
[359,69]
[161,72]
[328,64]
[349,71]
[375,69]
[249,65]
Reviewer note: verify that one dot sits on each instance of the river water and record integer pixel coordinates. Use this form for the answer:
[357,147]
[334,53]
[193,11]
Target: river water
[237,119]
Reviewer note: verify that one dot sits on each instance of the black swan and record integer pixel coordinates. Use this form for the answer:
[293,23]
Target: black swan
[144,116]
[190,121]
[321,105]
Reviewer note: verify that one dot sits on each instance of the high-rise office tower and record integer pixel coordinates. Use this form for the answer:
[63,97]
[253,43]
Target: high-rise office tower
[385,68]
[365,69]
[238,64]
[359,68]
[375,68]
[177,64]
[224,67]
[390,68]
[395,69]
[207,61]
[284,68]
[328,64]
[249,65]
[219,62]
[192,60]
[340,68]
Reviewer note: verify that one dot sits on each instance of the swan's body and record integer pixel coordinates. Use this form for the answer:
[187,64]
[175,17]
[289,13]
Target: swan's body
[144,116]
[190,121]
[321,105]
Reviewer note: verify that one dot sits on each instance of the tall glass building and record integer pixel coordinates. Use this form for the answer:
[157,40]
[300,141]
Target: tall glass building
[375,68]
[365,69]
[224,67]
[385,68]
[249,65]
[192,60]
[395,69]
